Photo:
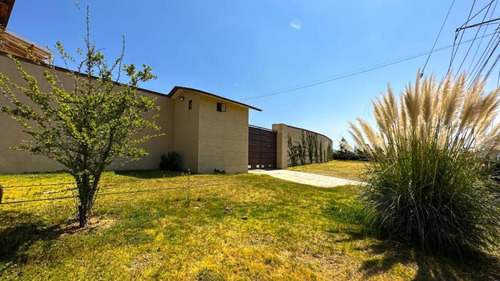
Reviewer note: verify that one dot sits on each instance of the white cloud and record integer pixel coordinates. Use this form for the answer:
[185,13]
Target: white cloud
[296,24]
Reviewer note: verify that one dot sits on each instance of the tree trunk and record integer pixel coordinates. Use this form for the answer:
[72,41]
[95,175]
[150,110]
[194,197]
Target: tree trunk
[85,197]
[87,191]
[82,216]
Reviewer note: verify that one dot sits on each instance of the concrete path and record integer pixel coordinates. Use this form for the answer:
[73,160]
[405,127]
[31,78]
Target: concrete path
[306,178]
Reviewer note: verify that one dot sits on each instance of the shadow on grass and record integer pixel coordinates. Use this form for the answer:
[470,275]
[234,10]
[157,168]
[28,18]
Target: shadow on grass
[387,254]
[25,231]
[149,174]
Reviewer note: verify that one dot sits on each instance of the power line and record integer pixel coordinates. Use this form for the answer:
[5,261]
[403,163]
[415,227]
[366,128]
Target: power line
[476,71]
[481,59]
[475,36]
[481,41]
[478,24]
[498,79]
[454,52]
[487,52]
[486,61]
[479,12]
[437,38]
[493,66]
[355,72]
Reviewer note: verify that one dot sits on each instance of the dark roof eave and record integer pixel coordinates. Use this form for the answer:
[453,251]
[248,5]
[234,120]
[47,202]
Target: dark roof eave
[4,21]
[177,88]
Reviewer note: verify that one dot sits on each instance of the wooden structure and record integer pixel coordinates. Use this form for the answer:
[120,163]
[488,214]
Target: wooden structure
[5,10]
[14,44]
[261,148]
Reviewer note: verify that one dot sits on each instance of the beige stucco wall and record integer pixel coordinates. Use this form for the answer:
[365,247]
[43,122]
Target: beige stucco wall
[186,132]
[283,130]
[22,162]
[223,137]
[205,138]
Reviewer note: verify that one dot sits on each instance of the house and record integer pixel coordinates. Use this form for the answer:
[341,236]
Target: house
[209,131]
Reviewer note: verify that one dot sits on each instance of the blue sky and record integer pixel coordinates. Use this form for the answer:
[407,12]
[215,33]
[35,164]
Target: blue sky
[242,49]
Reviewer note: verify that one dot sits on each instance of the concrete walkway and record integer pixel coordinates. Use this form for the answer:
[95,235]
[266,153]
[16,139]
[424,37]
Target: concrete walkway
[306,178]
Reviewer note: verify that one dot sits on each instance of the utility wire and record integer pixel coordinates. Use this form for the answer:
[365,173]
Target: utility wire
[479,12]
[498,79]
[478,24]
[454,52]
[481,41]
[475,36]
[483,56]
[355,72]
[486,50]
[484,59]
[437,38]
[478,74]
[492,66]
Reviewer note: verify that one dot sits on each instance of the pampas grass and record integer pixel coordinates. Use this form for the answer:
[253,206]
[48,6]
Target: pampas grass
[428,184]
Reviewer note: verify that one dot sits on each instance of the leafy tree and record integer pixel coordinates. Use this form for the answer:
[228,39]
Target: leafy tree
[343,145]
[85,126]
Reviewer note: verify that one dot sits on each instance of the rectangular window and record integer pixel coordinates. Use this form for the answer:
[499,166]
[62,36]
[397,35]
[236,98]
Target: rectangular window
[190,104]
[221,106]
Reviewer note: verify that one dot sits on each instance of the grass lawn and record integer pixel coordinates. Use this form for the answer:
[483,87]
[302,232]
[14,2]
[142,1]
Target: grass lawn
[346,169]
[247,227]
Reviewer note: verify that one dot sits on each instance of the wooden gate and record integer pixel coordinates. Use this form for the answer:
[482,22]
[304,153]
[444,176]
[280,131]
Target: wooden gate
[261,148]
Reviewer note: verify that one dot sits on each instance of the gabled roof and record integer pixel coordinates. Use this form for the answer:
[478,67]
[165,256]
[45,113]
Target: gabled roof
[5,10]
[176,89]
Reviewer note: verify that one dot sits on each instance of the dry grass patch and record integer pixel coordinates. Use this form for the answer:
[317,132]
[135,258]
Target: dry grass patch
[345,169]
[291,232]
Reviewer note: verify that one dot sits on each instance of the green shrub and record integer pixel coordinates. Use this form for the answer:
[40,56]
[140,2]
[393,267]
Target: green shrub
[348,155]
[172,161]
[428,183]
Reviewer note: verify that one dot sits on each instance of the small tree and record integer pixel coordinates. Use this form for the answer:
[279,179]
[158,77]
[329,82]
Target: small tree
[85,126]
[343,145]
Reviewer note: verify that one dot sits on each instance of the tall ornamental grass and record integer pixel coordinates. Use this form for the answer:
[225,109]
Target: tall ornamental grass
[428,184]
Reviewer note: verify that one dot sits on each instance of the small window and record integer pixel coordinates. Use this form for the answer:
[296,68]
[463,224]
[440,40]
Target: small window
[190,104]
[221,107]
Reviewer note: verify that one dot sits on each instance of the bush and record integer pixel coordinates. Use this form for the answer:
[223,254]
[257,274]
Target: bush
[428,184]
[348,155]
[172,161]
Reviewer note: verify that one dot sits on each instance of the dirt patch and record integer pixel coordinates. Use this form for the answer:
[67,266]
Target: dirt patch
[95,224]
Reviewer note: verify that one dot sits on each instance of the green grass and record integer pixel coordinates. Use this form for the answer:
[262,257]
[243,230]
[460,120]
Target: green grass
[346,169]
[250,227]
